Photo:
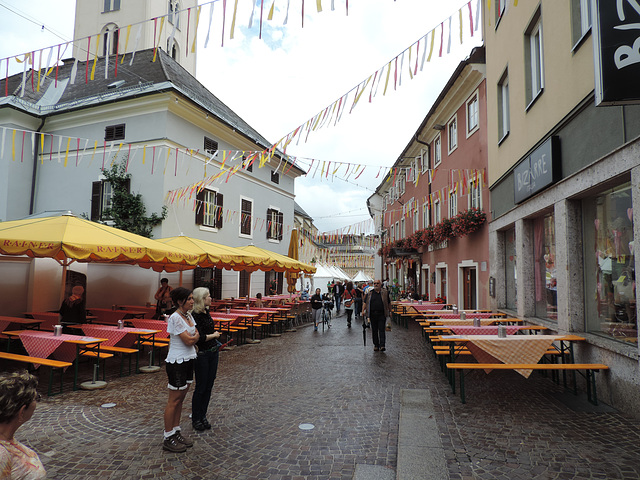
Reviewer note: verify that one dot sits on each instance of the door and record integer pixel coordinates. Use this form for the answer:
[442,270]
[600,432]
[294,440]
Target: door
[469,282]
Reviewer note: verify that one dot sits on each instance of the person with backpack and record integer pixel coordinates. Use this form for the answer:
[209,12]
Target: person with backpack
[348,296]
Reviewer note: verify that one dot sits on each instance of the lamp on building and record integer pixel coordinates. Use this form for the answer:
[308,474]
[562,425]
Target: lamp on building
[438,126]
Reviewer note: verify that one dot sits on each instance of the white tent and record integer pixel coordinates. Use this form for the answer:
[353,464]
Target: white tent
[338,273]
[362,277]
[320,279]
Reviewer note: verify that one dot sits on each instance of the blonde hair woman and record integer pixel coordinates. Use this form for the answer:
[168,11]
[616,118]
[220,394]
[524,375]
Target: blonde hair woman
[207,360]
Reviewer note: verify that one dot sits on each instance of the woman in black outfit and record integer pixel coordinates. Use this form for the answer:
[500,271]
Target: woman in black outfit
[207,361]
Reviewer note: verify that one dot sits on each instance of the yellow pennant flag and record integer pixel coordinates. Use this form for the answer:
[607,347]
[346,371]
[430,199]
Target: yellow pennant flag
[41,148]
[319,5]
[233,20]
[126,43]
[460,15]
[270,16]
[95,58]
[66,154]
[195,31]
[155,51]
[144,153]
[433,34]
[13,145]
[386,83]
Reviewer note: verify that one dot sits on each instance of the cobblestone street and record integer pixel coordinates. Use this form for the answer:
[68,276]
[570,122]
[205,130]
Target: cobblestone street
[510,428]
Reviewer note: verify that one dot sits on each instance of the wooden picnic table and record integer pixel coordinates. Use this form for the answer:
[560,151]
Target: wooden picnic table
[26,323]
[66,348]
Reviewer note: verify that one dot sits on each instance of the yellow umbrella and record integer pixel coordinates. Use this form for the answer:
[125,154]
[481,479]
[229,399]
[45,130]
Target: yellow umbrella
[277,262]
[216,255]
[67,239]
[292,277]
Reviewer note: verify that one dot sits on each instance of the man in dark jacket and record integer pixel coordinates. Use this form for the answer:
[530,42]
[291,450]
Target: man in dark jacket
[376,310]
[338,290]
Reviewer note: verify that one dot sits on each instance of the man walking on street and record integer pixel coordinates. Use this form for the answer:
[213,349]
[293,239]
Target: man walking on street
[376,310]
[338,290]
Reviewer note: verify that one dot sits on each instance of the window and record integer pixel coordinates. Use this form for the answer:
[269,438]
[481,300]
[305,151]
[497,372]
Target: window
[453,203]
[401,184]
[274,224]
[397,237]
[174,13]
[172,48]
[247,165]
[534,77]
[609,261]
[385,199]
[424,159]
[102,198]
[403,231]
[210,278]
[475,194]
[209,208]
[473,114]
[210,146]
[501,7]
[275,177]
[503,107]
[111,5]
[437,153]
[544,267]
[436,212]
[580,20]
[110,35]
[244,283]
[246,216]
[452,129]
[392,237]
[114,132]
[416,218]
[425,215]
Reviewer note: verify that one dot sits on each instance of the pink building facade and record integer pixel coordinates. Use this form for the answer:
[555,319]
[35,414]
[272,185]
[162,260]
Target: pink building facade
[433,206]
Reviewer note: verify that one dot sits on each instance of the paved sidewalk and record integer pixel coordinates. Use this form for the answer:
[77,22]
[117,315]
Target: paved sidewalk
[373,415]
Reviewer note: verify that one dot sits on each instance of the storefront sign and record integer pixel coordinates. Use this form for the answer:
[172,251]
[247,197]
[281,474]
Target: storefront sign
[538,170]
[616,49]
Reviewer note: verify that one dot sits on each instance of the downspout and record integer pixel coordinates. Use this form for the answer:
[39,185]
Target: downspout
[419,272]
[35,167]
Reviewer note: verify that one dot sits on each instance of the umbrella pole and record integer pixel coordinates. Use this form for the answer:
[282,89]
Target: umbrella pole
[180,279]
[65,263]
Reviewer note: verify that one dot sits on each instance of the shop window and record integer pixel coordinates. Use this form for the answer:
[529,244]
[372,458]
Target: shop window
[609,271]
[544,267]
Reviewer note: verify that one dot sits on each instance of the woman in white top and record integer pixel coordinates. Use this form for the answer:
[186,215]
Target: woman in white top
[179,362]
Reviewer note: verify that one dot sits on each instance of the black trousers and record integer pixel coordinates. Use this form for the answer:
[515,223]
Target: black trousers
[378,321]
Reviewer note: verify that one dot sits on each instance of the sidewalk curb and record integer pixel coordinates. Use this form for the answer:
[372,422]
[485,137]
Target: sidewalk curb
[420,452]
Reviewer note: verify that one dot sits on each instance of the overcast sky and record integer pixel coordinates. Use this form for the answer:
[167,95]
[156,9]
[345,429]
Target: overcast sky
[282,80]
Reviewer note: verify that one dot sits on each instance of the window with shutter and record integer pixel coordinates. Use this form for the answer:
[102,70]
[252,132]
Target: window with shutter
[275,177]
[102,197]
[209,208]
[274,224]
[246,216]
[114,132]
[210,146]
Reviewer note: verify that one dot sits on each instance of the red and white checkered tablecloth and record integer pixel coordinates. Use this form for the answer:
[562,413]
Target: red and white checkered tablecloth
[121,337]
[485,330]
[45,345]
[456,316]
[512,349]
[151,325]
[4,324]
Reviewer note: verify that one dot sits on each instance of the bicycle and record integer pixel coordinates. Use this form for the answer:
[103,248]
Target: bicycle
[325,316]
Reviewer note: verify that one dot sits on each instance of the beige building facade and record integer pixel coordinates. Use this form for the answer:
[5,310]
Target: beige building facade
[563,176]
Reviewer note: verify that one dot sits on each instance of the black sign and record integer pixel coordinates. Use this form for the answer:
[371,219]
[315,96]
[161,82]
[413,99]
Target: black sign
[616,47]
[537,171]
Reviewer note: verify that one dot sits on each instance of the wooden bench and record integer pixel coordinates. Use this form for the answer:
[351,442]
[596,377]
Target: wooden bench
[52,364]
[589,368]
[122,351]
